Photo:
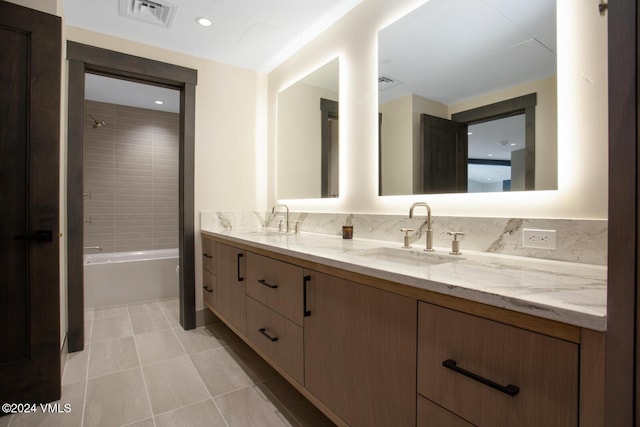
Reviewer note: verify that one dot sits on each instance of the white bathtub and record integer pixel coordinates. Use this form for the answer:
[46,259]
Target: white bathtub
[128,277]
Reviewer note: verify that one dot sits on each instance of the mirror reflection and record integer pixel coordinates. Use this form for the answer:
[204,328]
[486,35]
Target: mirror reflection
[467,98]
[308,143]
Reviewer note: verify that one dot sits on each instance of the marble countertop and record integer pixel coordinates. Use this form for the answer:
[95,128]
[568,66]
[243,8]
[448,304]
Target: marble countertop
[568,292]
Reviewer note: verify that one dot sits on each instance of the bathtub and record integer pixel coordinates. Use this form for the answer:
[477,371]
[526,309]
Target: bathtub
[129,277]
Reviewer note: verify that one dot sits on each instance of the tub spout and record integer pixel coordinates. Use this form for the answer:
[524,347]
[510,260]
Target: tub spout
[98,248]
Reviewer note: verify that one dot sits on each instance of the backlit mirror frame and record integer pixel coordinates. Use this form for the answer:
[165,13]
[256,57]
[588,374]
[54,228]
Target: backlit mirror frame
[308,135]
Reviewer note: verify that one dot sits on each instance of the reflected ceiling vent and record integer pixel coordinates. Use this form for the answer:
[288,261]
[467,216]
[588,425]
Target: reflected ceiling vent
[157,12]
[385,82]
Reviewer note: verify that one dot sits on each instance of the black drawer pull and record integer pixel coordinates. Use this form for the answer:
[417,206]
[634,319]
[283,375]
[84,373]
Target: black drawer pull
[240,278]
[263,331]
[208,289]
[305,281]
[206,255]
[510,389]
[264,282]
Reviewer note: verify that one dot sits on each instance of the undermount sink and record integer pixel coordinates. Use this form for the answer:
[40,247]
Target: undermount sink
[411,257]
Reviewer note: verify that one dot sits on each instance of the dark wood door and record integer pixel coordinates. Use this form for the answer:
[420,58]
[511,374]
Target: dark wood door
[30,60]
[444,158]
[360,351]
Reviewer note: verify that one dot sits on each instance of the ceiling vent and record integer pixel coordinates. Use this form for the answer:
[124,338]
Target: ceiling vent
[157,12]
[385,82]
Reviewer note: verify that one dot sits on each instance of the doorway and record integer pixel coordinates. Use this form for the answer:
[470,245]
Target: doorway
[85,59]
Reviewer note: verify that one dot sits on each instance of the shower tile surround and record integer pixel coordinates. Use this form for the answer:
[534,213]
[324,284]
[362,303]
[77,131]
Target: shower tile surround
[130,178]
[582,241]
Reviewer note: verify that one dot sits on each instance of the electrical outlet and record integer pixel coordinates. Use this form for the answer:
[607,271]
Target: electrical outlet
[539,239]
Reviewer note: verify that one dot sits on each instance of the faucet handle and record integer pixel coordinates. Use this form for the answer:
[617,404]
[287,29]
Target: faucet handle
[406,231]
[455,243]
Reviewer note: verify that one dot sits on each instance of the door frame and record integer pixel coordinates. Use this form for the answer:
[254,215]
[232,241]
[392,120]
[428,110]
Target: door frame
[622,357]
[82,59]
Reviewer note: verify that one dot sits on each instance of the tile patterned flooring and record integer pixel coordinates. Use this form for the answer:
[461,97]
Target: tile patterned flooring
[140,369]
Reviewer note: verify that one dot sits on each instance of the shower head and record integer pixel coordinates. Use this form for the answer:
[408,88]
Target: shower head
[97,123]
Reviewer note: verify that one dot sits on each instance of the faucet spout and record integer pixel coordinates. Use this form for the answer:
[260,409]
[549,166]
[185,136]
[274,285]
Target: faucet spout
[429,244]
[282,205]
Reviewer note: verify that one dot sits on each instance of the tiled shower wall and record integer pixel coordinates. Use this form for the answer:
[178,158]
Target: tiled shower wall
[130,178]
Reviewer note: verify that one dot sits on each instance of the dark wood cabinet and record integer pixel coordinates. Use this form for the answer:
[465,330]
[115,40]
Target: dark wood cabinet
[360,351]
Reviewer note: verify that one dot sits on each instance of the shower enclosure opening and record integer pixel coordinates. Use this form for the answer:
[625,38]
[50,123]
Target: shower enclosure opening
[131,191]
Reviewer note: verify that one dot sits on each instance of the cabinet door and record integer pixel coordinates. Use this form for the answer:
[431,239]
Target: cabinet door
[360,351]
[470,366]
[230,285]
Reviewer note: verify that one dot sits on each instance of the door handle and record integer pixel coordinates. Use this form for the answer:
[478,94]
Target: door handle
[37,236]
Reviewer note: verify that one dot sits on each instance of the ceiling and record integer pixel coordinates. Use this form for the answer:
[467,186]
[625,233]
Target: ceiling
[252,34]
[452,50]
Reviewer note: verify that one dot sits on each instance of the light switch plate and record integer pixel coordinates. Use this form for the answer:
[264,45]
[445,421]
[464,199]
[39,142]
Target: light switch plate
[539,239]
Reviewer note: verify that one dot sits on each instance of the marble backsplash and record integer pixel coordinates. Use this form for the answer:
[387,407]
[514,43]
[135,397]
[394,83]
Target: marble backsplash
[583,241]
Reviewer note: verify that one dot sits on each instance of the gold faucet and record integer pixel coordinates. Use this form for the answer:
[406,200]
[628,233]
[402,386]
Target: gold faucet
[273,210]
[429,247]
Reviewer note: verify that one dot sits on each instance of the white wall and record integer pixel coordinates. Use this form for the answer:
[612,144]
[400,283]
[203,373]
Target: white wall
[300,138]
[582,120]
[397,146]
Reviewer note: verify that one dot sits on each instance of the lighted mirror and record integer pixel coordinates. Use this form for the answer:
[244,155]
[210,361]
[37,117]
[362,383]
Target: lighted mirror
[308,143]
[467,98]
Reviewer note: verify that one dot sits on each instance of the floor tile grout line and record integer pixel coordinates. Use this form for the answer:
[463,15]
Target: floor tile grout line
[144,382]
[182,407]
[200,377]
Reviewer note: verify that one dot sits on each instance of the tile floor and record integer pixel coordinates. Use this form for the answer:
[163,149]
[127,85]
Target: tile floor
[140,369]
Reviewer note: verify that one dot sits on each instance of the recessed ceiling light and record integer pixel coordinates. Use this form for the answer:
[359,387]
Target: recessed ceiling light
[205,22]
[469,133]
[513,144]
[159,102]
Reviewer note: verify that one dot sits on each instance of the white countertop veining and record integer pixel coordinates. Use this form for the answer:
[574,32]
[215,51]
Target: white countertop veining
[568,292]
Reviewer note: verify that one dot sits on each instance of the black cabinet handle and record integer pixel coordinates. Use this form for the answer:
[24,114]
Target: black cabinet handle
[240,278]
[509,389]
[37,236]
[208,289]
[263,331]
[206,255]
[264,282]
[305,312]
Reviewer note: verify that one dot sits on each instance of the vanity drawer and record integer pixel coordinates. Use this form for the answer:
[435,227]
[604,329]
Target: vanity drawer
[209,288]
[280,339]
[432,415]
[208,255]
[276,284]
[453,347]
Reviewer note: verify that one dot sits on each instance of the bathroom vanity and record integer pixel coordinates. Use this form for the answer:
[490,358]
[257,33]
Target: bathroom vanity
[376,335]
